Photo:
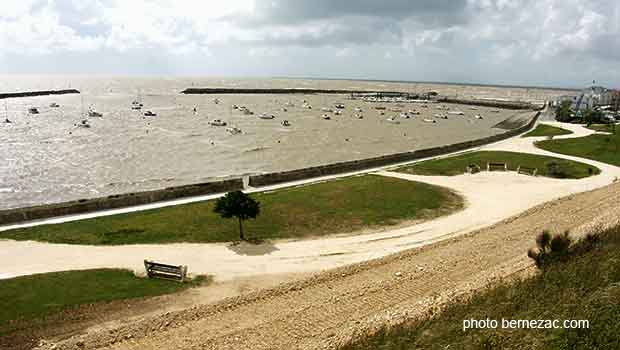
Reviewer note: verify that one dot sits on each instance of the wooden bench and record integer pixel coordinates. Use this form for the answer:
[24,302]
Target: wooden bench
[497,166]
[159,270]
[473,168]
[527,171]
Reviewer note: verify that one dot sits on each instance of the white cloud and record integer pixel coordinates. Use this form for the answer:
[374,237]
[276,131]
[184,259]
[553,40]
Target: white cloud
[469,33]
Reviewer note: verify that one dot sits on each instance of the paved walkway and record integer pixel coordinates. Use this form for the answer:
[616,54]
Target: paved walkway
[490,197]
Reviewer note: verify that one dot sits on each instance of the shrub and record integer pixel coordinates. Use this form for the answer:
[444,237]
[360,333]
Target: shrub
[550,248]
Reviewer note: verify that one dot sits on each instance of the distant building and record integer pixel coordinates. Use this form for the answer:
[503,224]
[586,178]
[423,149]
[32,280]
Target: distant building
[589,98]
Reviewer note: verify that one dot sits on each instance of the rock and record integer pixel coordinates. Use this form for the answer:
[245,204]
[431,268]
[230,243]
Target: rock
[398,274]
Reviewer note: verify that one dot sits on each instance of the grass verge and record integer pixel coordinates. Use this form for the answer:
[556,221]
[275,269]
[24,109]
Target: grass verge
[547,130]
[342,205]
[602,127]
[457,164]
[603,148]
[31,298]
[586,287]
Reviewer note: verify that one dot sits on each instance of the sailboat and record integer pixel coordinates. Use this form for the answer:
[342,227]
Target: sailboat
[6,113]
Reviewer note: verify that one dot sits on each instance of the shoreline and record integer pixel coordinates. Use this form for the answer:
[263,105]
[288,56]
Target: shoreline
[83,206]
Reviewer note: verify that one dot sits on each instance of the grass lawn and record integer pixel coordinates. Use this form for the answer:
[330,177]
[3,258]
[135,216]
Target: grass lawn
[604,148]
[457,165]
[342,205]
[587,287]
[547,130]
[602,127]
[32,297]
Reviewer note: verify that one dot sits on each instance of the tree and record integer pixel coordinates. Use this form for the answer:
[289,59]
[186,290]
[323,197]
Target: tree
[237,204]
[563,112]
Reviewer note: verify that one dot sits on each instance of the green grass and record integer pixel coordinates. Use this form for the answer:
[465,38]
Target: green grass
[547,130]
[603,148]
[337,206]
[32,297]
[602,127]
[457,164]
[586,287]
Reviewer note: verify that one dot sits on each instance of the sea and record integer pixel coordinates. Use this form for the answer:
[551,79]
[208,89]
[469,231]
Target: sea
[48,158]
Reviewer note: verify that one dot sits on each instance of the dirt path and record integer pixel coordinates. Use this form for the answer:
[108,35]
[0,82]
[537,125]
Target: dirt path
[335,306]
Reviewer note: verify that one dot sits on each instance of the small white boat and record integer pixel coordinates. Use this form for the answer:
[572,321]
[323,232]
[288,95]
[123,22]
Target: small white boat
[430,121]
[93,113]
[233,130]
[83,124]
[440,116]
[392,120]
[473,108]
[495,111]
[54,105]
[289,104]
[245,110]
[358,109]
[326,117]
[235,107]
[456,113]
[358,116]
[267,116]
[410,112]
[283,109]
[286,123]
[404,116]
[216,101]
[217,122]
[150,114]
[337,112]
[135,105]
[33,110]
[477,116]
[307,106]
[339,105]
[7,120]
[325,109]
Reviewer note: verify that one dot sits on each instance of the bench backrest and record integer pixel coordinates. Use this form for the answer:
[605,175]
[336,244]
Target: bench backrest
[502,166]
[159,270]
[527,171]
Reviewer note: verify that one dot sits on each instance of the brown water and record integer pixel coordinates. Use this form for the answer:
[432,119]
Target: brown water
[45,158]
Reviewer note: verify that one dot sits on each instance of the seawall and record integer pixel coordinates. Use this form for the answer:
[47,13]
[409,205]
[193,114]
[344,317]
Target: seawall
[356,165]
[116,201]
[38,93]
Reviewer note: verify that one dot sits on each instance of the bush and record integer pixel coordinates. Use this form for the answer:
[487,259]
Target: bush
[550,248]
[557,169]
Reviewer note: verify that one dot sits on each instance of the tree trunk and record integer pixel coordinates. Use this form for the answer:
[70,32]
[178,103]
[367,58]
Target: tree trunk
[241,230]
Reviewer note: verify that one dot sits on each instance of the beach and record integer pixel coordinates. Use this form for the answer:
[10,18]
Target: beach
[49,159]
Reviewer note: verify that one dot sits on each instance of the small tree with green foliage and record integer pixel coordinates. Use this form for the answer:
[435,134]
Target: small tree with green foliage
[563,112]
[239,205]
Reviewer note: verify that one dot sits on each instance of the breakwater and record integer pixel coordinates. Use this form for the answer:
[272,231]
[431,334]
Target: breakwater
[38,93]
[492,103]
[116,201]
[357,165]
[208,91]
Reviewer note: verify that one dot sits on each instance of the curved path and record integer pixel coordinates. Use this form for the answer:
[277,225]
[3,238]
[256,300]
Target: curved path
[490,197]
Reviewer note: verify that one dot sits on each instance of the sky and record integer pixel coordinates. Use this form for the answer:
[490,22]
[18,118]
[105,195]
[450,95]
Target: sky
[564,43]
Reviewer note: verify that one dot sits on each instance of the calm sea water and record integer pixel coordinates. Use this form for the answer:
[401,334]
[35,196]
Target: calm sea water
[45,158]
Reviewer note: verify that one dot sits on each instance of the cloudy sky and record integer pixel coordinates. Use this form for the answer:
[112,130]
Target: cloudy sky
[532,42]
